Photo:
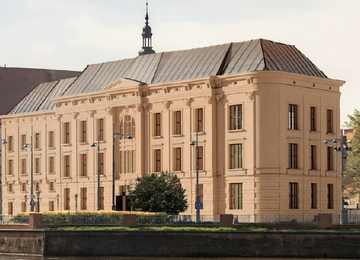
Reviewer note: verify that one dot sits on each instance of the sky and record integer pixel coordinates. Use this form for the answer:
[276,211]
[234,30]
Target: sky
[70,34]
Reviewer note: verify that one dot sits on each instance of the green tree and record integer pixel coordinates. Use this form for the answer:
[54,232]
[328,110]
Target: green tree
[351,180]
[158,193]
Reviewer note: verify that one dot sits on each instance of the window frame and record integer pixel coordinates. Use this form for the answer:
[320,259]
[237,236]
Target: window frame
[312,118]
[313,195]
[313,157]
[236,200]
[293,117]
[157,124]
[236,159]
[293,156]
[329,121]
[293,195]
[157,160]
[236,117]
[330,196]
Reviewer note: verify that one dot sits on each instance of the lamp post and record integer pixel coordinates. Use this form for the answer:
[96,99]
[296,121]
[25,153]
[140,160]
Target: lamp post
[32,196]
[38,200]
[76,197]
[97,144]
[25,198]
[113,206]
[57,201]
[342,150]
[198,204]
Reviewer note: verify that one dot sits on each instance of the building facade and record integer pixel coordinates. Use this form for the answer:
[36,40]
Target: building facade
[261,110]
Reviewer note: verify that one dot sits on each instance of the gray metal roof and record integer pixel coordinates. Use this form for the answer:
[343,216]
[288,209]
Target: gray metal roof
[225,59]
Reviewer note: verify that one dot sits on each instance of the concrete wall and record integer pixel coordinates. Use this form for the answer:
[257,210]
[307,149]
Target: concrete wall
[22,242]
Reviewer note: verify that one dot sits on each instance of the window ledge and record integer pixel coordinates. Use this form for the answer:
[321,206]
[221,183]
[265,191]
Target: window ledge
[66,178]
[199,133]
[23,174]
[85,142]
[235,130]
[52,173]
[294,129]
[37,149]
[10,175]
[52,191]
[177,135]
[51,148]
[23,191]
[10,192]
[314,132]
[65,144]
[157,137]
[37,173]
[331,133]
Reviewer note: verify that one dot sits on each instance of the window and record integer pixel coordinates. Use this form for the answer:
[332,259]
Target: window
[127,127]
[10,187]
[22,206]
[11,167]
[178,159]
[313,195]
[199,120]
[66,133]
[83,131]
[102,164]
[293,156]
[23,166]
[312,119]
[23,186]
[51,164]
[37,141]
[157,160]
[83,170]
[101,128]
[236,156]
[236,193]
[51,205]
[83,204]
[67,198]
[329,121]
[10,208]
[293,195]
[23,142]
[127,161]
[157,124]
[37,165]
[201,194]
[330,196]
[292,117]
[102,198]
[11,143]
[313,157]
[177,122]
[51,139]
[236,117]
[330,158]
[37,186]
[67,166]
[51,186]
[201,157]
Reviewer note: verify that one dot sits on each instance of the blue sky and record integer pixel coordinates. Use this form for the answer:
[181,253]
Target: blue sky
[69,34]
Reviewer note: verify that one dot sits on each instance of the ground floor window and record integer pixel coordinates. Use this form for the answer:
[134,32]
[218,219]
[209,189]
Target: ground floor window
[293,195]
[236,196]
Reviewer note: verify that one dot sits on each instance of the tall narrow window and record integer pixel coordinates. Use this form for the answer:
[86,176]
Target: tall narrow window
[67,198]
[51,164]
[37,141]
[37,186]
[236,117]
[102,198]
[199,120]
[157,124]
[51,205]
[157,160]
[23,186]
[201,194]
[330,196]
[293,195]
[83,165]
[23,166]
[312,119]
[11,167]
[67,166]
[127,161]
[293,117]
[11,143]
[201,157]
[23,142]
[236,193]
[51,186]
[102,172]
[83,196]
[293,156]
[10,187]
[101,128]
[22,206]
[330,159]
[313,157]
[83,131]
[177,122]
[10,208]
[329,121]
[37,165]
[236,156]
[127,127]
[51,139]
[178,159]
[67,133]
[313,195]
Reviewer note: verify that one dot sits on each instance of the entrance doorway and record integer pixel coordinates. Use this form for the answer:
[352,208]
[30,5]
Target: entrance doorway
[122,201]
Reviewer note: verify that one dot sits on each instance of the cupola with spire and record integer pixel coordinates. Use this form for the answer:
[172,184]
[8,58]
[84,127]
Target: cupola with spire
[146,35]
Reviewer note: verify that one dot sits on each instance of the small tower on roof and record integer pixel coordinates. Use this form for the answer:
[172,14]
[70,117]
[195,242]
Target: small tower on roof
[146,35]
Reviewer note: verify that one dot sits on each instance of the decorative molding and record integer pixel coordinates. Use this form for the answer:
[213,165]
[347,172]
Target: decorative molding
[74,114]
[188,101]
[167,104]
[127,108]
[58,117]
[250,95]
[109,111]
[209,99]
[220,98]
[147,106]
[91,113]
[138,107]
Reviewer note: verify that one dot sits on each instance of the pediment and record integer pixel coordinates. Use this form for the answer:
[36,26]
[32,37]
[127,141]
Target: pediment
[122,82]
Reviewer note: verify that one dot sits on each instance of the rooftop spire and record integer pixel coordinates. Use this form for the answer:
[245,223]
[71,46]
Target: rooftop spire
[146,35]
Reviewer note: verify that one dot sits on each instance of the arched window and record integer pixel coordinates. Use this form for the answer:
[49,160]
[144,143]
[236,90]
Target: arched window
[127,126]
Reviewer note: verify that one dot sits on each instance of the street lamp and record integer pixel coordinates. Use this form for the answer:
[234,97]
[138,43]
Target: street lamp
[198,204]
[93,145]
[25,197]
[57,201]
[113,206]
[342,149]
[32,196]
[38,200]
[4,142]
[76,197]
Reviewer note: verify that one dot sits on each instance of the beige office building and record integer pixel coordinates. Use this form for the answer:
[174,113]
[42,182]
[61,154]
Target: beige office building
[261,109]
